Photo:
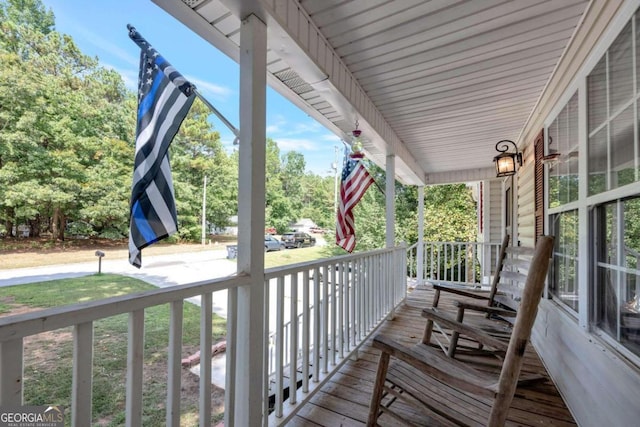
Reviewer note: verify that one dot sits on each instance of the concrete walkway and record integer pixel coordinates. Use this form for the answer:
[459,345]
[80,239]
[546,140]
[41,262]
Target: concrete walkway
[161,271]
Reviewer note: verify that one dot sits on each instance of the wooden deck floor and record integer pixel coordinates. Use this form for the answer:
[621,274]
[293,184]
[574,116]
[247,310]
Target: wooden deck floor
[344,400]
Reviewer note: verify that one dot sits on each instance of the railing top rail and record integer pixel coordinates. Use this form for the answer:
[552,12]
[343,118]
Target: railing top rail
[430,242]
[461,242]
[23,325]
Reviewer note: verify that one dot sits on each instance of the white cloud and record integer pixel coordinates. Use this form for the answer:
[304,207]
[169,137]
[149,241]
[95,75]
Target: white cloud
[219,92]
[227,143]
[278,123]
[273,129]
[108,46]
[307,127]
[296,144]
[281,126]
[330,137]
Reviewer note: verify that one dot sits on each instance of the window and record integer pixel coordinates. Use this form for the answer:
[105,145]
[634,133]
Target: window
[612,147]
[617,285]
[563,282]
[613,159]
[563,141]
[603,191]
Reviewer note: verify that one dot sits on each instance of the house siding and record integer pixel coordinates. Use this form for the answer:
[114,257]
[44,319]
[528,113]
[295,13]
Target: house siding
[526,198]
[496,212]
[599,384]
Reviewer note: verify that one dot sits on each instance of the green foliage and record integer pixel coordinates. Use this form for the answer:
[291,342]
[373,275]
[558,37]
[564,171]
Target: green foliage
[58,110]
[450,214]
[18,13]
[196,153]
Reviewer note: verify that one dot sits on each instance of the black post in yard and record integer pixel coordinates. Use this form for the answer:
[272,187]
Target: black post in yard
[99,254]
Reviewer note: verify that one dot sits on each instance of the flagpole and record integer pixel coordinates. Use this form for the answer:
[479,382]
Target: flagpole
[213,109]
[375,182]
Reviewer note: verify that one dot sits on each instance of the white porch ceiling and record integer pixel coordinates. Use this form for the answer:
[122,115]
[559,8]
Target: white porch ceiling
[436,82]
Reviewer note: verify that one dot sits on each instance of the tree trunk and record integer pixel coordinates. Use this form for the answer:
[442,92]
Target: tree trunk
[63,224]
[8,222]
[34,227]
[57,224]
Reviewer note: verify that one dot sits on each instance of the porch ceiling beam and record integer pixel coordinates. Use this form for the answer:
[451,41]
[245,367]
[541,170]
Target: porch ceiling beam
[467,175]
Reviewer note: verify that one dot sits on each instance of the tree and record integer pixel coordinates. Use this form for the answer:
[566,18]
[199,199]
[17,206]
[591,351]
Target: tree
[279,211]
[317,199]
[20,13]
[197,152]
[57,108]
[293,165]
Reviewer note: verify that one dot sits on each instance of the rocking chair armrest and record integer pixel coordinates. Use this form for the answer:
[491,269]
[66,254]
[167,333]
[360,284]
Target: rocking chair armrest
[483,295]
[485,309]
[434,363]
[448,321]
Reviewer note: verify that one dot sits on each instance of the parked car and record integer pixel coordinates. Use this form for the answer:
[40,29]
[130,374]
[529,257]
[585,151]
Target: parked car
[297,240]
[272,244]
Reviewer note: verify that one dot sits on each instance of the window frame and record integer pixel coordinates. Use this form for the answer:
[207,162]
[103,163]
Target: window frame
[556,211]
[586,203]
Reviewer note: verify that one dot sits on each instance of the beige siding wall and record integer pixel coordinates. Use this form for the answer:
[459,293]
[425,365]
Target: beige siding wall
[600,386]
[496,211]
[526,199]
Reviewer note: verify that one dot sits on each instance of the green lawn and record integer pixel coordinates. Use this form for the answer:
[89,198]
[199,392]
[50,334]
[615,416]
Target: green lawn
[48,356]
[294,256]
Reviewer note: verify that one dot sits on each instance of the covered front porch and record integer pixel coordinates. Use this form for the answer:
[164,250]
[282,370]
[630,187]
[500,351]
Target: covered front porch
[317,362]
[344,399]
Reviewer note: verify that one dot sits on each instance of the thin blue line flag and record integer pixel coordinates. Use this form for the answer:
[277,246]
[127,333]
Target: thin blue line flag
[164,99]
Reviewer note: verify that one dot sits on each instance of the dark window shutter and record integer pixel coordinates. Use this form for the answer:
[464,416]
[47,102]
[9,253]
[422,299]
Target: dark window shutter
[539,179]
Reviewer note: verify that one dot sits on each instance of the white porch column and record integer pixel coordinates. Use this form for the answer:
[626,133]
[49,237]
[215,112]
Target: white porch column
[248,398]
[420,251]
[390,194]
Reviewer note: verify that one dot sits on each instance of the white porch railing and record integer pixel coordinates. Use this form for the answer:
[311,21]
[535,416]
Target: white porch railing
[336,302]
[455,262]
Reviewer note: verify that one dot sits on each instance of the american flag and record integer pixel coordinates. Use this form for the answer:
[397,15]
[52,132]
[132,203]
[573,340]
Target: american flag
[164,99]
[354,183]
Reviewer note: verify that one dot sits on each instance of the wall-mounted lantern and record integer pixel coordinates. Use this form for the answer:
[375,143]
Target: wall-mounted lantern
[505,161]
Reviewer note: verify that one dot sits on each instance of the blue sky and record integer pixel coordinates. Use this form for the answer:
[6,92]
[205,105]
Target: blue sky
[99,28]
